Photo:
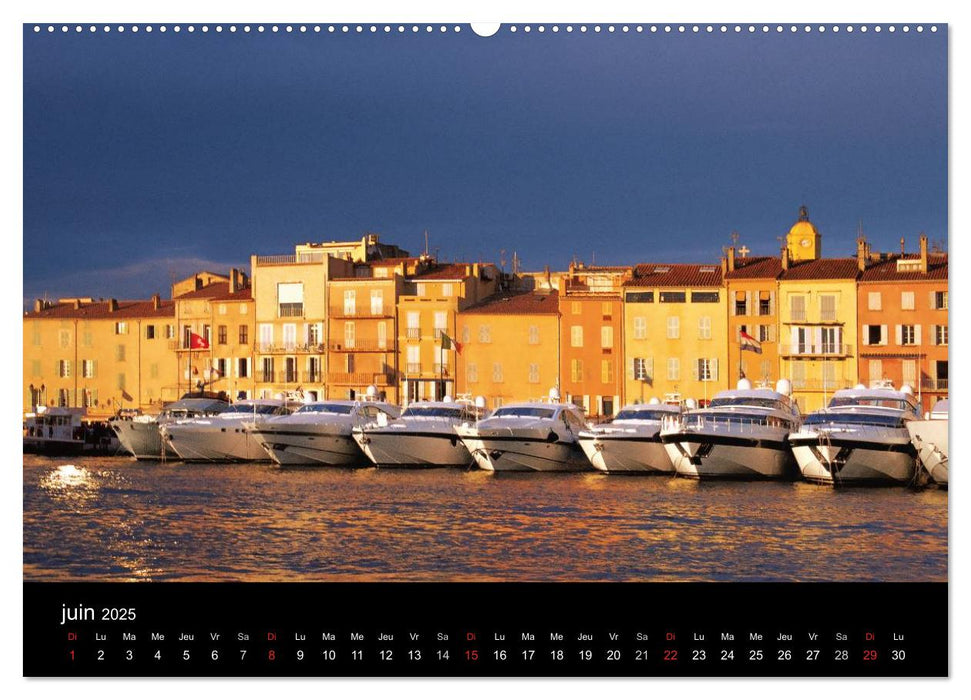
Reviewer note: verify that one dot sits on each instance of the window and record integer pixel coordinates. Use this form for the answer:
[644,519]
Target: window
[907,301]
[829,375]
[290,298]
[350,302]
[471,373]
[797,372]
[289,336]
[766,370]
[207,332]
[485,334]
[765,303]
[639,297]
[348,363]
[674,369]
[413,330]
[497,372]
[827,307]
[121,328]
[876,370]
[606,337]
[441,323]
[606,371]
[242,309]
[704,297]
[63,368]
[466,334]
[672,297]
[576,370]
[169,331]
[64,338]
[120,353]
[766,334]
[121,381]
[349,334]
[414,359]
[830,338]
[908,336]
[576,336]
[707,369]
[35,369]
[313,369]
[643,368]
[874,335]
[242,368]
[606,310]
[447,289]
[314,334]
[534,374]
[741,303]
[87,369]
[940,335]
[221,367]
[87,338]
[383,335]
[797,307]
[909,368]
[874,301]
[267,375]
[63,397]
[939,300]
[222,335]
[640,328]
[674,327]
[149,332]
[244,335]
[377,302]
[222,309]
[534,335]
[575,308]
[704,328]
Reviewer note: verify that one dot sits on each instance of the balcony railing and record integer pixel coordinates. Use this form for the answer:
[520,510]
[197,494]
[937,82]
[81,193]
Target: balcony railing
[413,333]
[814,350]
[294,310]
[441,370]
[359,345]
[413,368]
[830,385]
[285,377]
[385,311]
[438,333]
[931,384]
[271,349]
[361,378]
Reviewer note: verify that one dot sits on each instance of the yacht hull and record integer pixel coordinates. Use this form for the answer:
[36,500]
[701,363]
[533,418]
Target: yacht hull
[316,446]
[847,461]
[142,439]
[701,456]
[930,439]
[627,454]
[213,444]
[509,452]
[415,449]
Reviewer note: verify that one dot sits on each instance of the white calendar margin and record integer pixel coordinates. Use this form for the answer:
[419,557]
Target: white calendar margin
[507,11]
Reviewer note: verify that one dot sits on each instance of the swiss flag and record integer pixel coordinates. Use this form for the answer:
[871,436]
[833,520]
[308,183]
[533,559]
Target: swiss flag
[197,342]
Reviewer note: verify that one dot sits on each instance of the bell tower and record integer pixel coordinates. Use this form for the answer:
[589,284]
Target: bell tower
[804,241]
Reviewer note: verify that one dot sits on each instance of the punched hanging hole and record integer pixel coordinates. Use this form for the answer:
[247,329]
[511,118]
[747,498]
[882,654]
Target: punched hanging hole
[485,28]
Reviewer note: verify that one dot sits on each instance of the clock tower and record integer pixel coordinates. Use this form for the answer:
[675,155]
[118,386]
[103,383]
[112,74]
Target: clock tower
[804,241]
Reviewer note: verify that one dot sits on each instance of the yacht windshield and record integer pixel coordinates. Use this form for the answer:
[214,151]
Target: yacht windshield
[524,412]
[642,414]
[729,419]
[259,409]
[431,411]
[899,404]
[342,409]
[822,420]
[746,401]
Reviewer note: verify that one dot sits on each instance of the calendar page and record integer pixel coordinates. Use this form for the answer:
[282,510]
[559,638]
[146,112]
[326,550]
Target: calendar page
[547,349]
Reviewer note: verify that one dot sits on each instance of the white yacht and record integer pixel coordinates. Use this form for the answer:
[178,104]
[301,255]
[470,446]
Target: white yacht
[320,433]
[221,438]
[740,434]
[54,430]
[140,436]
[861,437]
[631,442]
[929,438]
[423,436]
[535,436]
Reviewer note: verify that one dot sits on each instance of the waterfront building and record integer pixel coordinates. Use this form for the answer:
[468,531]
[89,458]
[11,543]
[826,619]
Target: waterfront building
[427,310]
[675,332]
[903,320]
[510,346]
[751,285]
[222,312]
[100,355]
[361,345]
[592,338]
[817,318]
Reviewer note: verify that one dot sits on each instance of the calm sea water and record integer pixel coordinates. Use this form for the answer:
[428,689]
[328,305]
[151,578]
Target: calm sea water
[115,519]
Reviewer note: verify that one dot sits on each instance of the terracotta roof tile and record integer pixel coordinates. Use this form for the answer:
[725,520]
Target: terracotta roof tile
[886,270]
[218,291]
[822,269]
[451,271]
[675,275]
[756,268]
[517,303]
[99,310]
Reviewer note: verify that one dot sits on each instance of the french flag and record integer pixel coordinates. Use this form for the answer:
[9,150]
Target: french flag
[749,343]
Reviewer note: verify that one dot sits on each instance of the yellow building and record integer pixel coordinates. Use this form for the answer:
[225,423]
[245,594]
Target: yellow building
[751,285]
[428,307]
[511,351]
[100,355]
[224,313]
[675,332]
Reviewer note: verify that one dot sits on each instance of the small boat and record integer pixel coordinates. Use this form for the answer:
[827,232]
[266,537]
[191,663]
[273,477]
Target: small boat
[60,430]
[423,436]
[741,434]
[631,442]
[929,438]
[221,438]
[319,433]
[535,436]
[860,438]
[139,434]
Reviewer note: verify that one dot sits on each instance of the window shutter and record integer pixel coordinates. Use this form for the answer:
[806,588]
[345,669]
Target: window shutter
[630,368]
[748,303]
[772,302]
[694,370]
[899,334]
[866,335]
[884,335]
[714,369]
[917,334]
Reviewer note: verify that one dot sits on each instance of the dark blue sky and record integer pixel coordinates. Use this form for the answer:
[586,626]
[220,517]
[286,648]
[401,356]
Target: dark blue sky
[150,155]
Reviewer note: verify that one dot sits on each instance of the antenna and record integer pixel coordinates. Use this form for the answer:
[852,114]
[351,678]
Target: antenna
[426,242]
[734,235]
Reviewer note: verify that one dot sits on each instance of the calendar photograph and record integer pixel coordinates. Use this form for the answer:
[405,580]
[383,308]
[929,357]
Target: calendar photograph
[443,305]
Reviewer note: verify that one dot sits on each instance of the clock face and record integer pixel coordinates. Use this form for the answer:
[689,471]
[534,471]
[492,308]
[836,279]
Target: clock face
[805,242]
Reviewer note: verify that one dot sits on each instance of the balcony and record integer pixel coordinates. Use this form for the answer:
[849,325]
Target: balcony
[360,378]
[439,332]
[809,350]
[362,312]
[931,384]
[290,349]
[413,333]
[303,259]
[441,370]
[294,310]
[285,377]
[828,386]
[359,345]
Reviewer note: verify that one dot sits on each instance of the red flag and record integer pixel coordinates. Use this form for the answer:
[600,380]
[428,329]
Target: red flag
[197,342]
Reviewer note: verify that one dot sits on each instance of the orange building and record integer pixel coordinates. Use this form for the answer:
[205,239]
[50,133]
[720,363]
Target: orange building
[903,321]
[512,347]
[592,338]
[751,285]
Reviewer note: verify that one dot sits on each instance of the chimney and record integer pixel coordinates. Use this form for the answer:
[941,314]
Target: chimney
[861,253]
[39,305]
[785,258]
[731,259]
[923,253]
[233,280]
[198,282]
[902,248]
[156,302]
[112,305]
[77,304]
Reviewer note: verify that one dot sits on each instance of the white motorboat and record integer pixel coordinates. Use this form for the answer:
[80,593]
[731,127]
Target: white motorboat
[631,442]
[320,433]
[54,430]
[139,434]
[741,434]
[535,436]
[929,438]
[861,437]
[423,436]
[221,438]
